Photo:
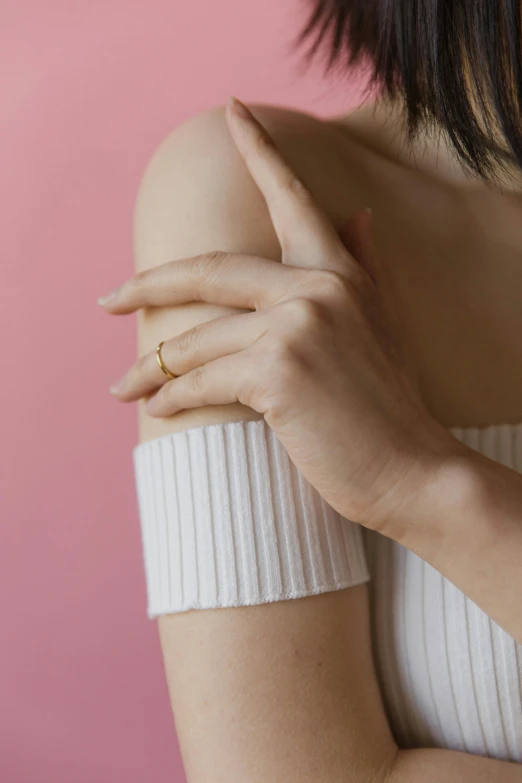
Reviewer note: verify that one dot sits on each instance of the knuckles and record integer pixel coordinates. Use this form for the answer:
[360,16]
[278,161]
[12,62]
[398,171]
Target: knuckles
[303,326]
[335,288]
[308,316]
[204,267]
[140,279]
[279,374]
[280,359]
[196,379]
[186,343]
[303,313]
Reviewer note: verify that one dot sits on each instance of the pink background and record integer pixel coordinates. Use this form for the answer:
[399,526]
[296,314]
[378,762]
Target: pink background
[88,90]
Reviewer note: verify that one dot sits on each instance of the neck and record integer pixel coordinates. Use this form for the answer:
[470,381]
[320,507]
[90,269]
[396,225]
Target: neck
[382,126]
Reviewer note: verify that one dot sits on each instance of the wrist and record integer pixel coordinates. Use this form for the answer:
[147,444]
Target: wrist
[468,526]
[449,488]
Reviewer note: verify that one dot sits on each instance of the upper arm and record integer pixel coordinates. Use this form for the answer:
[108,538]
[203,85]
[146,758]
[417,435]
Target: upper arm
[197,195]
[283,690]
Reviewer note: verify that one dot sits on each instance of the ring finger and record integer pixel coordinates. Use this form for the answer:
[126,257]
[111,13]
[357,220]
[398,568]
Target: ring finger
[196,346]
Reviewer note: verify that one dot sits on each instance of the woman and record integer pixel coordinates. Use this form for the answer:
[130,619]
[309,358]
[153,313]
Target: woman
[345,427]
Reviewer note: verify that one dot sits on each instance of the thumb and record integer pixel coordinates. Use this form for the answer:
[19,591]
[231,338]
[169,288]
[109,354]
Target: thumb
[356,235]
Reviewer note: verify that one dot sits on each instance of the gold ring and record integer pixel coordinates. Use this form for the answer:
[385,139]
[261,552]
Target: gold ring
[160,361]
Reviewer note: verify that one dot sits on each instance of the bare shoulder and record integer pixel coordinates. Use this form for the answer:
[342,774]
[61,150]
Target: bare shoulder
[197,167]
[197,196]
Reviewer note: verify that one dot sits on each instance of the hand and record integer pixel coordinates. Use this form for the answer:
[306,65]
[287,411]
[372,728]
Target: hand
[318,355]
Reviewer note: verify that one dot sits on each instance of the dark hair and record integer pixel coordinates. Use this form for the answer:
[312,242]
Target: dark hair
[457,65]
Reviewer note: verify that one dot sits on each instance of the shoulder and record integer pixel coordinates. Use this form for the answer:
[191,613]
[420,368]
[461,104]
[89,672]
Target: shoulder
[197,167]
[204,140]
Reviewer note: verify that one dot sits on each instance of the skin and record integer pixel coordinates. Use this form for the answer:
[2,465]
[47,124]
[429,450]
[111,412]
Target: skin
[250,686]
[314,317]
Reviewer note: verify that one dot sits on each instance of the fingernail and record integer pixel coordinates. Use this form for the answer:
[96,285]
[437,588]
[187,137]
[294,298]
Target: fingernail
[102,300]
[369,210]
[114,389]
[239,107]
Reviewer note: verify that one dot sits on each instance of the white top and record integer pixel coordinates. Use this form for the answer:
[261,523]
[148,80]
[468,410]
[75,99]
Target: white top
[228,520]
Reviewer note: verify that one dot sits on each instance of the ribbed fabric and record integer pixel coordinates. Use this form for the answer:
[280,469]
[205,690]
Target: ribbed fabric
[228,520]
[450,677]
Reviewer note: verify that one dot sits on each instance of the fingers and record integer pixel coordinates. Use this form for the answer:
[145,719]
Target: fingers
[199,345]
[231,279]
[306,234]
[219,382]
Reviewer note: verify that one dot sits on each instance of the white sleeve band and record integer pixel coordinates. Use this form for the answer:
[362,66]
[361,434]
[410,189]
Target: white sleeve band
[228,520]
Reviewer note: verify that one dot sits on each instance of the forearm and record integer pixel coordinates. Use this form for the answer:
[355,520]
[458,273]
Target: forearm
[431,765]
[467,523]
